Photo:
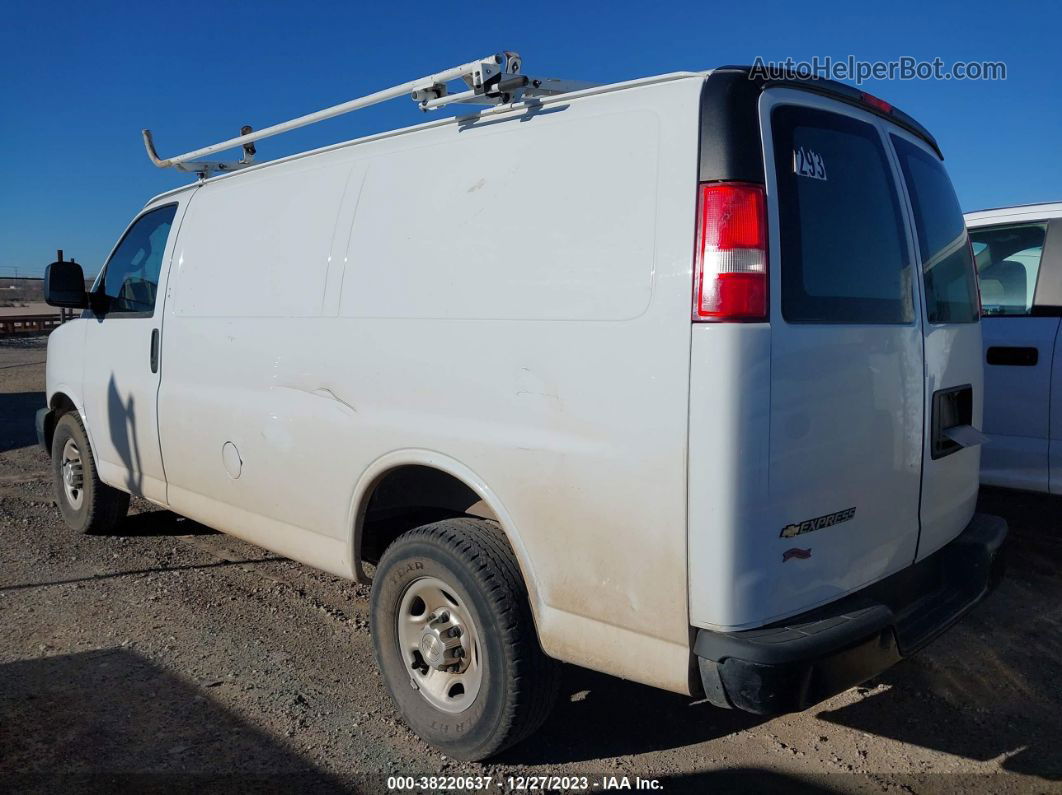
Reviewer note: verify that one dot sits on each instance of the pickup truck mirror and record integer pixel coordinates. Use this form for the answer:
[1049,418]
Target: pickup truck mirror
[64,285]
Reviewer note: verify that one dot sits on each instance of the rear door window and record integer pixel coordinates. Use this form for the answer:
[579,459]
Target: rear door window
[1008,264]
[844,256]
[947,264]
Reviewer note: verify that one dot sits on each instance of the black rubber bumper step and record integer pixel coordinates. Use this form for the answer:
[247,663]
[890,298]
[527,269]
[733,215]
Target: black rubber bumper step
[794,664]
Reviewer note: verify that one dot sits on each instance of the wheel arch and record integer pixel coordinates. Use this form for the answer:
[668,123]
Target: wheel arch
[61,402]
[489,506]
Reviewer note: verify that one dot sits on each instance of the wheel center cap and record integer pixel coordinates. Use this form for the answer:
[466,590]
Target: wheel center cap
[432,649]
[440,643]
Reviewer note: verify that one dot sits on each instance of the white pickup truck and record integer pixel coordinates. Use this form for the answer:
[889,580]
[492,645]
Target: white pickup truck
[677,379]
[1019,261]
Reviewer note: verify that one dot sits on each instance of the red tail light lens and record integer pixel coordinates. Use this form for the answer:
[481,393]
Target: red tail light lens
[875,102]
[730,269]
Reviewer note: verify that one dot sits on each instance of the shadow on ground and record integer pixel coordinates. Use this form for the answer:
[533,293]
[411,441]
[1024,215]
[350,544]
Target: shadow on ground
[111,720]
[599,716]
[1034,523]
[752,780]
[989,687]
[17,416]
[159,523]
[26,586]
[909,714]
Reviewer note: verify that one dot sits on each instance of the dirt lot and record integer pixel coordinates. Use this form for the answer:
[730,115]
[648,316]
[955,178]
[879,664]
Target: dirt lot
[31,308]
[169,657]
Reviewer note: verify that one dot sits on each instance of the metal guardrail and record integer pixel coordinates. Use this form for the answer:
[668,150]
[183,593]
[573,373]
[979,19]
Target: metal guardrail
[15,325]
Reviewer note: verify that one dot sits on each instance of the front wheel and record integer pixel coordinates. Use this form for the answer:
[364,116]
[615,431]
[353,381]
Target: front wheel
[455,640]
[87,504]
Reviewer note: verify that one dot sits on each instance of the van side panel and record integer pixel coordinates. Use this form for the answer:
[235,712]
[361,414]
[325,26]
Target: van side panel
[513,293]
[730,432]
[262,243]
[242,330]
[562,228]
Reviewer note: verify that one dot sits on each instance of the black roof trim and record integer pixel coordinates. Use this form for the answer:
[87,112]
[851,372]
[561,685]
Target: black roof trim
[730,127]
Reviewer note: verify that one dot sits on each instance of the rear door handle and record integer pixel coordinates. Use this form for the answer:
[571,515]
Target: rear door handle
[965,435]
[154,350]
[1012,357]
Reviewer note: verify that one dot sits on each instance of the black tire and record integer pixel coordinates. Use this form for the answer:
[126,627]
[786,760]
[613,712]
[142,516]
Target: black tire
[100,506]
[519,682]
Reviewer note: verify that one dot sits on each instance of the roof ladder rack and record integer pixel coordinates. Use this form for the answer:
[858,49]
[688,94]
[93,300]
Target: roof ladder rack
[494,80]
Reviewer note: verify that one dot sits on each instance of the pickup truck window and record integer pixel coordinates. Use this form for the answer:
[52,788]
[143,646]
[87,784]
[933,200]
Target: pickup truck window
[947,267]
[844,255]
[131,276]
[1008,263]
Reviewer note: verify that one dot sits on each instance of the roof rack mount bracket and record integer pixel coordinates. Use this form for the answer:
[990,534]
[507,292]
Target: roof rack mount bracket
[202,168]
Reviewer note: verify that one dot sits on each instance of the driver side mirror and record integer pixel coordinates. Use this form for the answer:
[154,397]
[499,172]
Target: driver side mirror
[64,284]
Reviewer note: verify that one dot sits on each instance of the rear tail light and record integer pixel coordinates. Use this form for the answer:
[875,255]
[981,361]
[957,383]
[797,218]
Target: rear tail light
[730,269]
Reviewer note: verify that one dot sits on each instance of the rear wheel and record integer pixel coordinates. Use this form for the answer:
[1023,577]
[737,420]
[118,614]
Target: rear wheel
[87,504]
[455,640]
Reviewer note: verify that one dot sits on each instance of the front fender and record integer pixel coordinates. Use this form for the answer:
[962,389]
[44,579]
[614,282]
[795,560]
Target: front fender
[64,370]
[59,402]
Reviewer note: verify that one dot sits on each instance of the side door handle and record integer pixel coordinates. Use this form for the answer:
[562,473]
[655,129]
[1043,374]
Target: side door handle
[154,350]
[1011,356]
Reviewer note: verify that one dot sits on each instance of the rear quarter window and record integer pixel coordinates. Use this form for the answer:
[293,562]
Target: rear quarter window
[947,261]
[844,255]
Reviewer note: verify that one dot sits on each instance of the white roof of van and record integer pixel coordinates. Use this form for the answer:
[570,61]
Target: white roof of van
[501,109]
[1018,212]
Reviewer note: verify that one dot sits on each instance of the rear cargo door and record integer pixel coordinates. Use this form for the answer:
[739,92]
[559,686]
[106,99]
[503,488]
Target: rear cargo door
[954,383]
[847,399]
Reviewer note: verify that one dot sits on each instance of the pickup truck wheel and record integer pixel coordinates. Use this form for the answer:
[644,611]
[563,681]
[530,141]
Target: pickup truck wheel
[455,640]
[87,504]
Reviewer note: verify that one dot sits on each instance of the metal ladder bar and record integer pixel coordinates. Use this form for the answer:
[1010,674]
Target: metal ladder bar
[420,84]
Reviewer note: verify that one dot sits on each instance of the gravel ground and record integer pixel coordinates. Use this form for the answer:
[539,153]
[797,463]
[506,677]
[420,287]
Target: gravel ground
[170,657]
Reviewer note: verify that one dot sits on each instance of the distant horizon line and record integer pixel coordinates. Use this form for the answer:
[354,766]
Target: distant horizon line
[40,278]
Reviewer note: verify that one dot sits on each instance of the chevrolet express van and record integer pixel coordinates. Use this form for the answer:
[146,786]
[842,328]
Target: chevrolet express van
[677,379]
[1019,263]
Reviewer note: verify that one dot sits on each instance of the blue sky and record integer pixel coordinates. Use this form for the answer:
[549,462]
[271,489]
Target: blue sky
[79,81]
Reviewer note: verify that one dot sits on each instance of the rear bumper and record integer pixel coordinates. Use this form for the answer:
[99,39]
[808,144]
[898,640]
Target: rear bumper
[792,665]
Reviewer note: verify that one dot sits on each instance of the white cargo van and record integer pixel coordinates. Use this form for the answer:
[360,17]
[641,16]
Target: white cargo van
[677,379]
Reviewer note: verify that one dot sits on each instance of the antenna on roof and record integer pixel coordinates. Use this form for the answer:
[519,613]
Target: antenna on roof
[494,80]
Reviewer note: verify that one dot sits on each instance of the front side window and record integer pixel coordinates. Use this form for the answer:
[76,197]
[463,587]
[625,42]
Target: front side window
[1008,263]
[131,276]
[844,253]
[947,265]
